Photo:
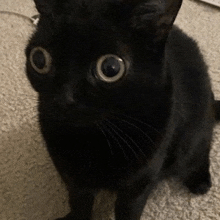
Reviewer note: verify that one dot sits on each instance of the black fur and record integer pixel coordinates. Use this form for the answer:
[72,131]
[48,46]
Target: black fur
[155,122]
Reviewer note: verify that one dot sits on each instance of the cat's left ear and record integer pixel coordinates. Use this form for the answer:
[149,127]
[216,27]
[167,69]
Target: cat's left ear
[155,16]
[45,6]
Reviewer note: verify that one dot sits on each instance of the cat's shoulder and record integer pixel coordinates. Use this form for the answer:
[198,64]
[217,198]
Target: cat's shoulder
[179,39]
[184,50]
[187,68]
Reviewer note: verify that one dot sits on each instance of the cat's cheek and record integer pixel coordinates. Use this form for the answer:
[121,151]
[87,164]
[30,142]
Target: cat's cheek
[40,82]
[91,78]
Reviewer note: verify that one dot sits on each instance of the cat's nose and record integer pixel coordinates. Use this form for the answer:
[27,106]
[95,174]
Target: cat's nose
[67,96]
[65,100]
[69,100]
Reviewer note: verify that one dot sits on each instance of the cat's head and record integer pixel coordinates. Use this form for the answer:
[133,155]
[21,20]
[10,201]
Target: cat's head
[89,56]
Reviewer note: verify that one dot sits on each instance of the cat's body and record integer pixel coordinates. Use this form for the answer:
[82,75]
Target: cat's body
[128,133]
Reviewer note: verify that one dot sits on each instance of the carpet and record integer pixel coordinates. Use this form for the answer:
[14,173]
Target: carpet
[30,188]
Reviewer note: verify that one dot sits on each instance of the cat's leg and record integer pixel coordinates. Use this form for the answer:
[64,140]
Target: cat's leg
[81,204]
[131,202]
[199,182]
[198,178]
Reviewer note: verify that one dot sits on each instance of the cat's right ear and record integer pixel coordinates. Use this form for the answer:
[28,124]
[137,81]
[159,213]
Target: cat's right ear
[45,6]
[155,17]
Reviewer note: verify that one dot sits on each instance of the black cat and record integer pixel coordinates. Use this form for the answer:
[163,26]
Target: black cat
[124,100]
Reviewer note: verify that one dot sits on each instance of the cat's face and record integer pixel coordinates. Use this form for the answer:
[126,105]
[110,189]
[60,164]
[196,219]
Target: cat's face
[90,58]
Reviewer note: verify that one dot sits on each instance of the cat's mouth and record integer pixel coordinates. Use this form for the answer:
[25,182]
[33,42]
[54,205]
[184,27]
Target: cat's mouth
[82,115]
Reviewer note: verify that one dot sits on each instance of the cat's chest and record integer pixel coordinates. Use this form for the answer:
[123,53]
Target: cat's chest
[99,157]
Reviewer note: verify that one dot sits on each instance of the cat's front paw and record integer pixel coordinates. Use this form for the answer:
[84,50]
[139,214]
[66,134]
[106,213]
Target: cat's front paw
[198,183]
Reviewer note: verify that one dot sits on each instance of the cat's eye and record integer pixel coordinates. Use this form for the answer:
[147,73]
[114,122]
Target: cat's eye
[40,60]
[110,68]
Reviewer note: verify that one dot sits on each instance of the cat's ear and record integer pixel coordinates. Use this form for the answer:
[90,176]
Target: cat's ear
[45,6]
[154,16]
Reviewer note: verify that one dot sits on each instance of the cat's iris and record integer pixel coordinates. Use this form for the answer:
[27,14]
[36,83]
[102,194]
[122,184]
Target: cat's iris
[40,60]
[110,68]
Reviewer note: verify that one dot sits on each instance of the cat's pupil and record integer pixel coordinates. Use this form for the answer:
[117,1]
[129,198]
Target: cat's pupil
[39,59]
[111,67]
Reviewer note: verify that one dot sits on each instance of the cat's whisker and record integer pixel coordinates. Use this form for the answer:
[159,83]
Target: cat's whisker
[138,145]
[116,129]
[115,138]
[133,140]
[141,122]
[139,129]
[108,141]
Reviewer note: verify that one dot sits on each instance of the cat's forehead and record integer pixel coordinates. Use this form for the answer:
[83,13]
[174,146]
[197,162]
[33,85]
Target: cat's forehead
[97,3]
[86,16]
[87,10]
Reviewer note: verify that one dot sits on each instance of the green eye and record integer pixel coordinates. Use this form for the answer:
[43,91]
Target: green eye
[40,60]
[110,68]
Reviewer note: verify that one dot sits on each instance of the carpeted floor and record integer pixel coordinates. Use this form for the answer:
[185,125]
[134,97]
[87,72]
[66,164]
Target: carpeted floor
[30,188]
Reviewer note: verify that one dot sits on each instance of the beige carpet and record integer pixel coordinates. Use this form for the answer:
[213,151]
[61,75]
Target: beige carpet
[30,188]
